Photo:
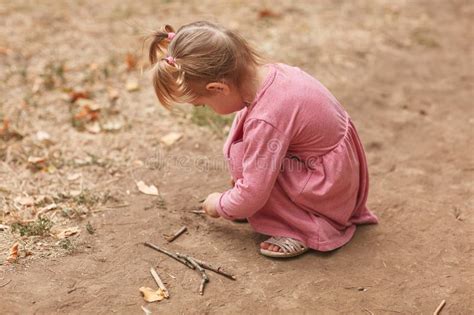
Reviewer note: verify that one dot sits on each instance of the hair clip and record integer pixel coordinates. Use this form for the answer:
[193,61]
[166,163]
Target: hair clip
[171,35]
[171,60]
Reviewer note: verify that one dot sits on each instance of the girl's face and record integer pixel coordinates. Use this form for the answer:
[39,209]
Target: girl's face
[224,99]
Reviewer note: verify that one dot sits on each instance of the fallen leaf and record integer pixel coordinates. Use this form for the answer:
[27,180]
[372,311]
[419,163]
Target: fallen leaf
[5,51]
[68,232]
[151,295]
[132,85]
[93,106]
[37,163]
[13,256]
[131,61]
[7,133]
[267,13]
[171,138]
[6,125]
[148,190]
[75,95]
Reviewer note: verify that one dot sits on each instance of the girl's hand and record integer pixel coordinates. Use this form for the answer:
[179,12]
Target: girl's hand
[209,205]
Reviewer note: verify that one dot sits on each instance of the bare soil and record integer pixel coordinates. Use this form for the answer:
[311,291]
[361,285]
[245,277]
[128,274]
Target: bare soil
[402,69]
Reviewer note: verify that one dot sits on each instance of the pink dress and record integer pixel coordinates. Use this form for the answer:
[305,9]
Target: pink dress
[299,167]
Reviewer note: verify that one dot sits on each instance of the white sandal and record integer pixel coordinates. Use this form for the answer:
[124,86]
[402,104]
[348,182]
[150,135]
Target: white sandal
[290,247]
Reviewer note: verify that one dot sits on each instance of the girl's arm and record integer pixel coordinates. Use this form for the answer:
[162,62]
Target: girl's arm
[264,150]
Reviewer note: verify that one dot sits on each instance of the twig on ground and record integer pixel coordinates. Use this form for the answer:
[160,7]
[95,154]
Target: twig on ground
[159,282]
[198,211]
[175,235]
[175,257]
[440,307]
[5,284]
[218,270]
[204,277]
[147,311]
[192,263]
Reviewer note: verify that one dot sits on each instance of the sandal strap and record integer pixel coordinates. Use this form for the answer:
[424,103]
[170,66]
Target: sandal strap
[289,245]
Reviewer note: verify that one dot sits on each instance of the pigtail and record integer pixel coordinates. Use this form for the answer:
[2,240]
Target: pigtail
[159,44]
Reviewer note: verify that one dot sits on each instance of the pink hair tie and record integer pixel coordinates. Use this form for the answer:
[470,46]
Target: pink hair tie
[171,35]
[171,60]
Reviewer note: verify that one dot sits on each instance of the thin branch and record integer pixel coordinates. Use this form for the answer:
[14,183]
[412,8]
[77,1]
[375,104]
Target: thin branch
[217,270]
[175,235]
[159,282]
[204,277]
[440,307]
[170,254]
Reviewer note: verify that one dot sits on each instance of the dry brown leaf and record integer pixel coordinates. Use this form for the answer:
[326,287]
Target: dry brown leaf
[75,95]
[148,190]
[267,13]
[6,125]
[171,138]
[131,61]
[151,295]
[93,106]
[68,232]
[13,256]
[36,163]
[5,51]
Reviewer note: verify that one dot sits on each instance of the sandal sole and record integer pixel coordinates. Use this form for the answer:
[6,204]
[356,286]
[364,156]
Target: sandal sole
[273,254]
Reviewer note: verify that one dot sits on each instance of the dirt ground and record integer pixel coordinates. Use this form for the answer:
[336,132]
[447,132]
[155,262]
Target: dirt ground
[402,69]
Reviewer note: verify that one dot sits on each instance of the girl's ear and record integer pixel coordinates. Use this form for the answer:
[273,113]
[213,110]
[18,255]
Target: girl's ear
[218,87]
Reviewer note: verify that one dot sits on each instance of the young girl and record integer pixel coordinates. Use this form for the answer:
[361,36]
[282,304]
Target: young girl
[298,166]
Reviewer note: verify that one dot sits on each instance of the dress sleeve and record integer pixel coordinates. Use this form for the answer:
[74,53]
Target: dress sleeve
[264,150]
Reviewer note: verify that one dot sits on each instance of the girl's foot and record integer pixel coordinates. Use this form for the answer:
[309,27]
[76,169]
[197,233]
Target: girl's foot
[282,247]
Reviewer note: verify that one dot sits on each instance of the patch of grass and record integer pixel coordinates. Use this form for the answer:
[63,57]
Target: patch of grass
[40,227]
[53,75]
[90,229]
[67,245]
[425,38]
[206,117]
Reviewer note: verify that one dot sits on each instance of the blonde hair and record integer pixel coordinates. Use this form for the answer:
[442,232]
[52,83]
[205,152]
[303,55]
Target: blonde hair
[197,54]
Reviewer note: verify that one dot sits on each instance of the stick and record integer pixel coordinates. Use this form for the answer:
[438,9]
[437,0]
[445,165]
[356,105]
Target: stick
[3,285]
[198,212]
[440,307]
[218,270]
[164,251]
[175,236]
[159,282]
[204,277]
